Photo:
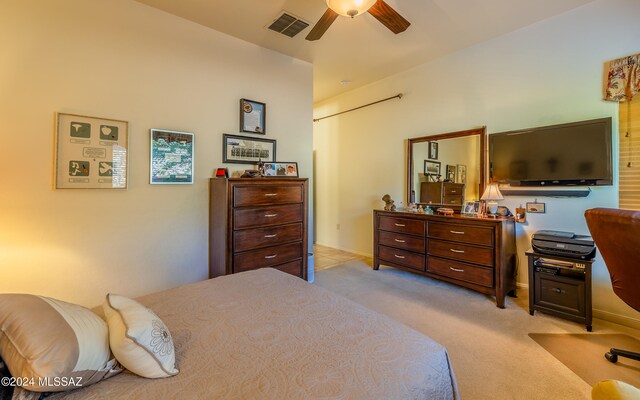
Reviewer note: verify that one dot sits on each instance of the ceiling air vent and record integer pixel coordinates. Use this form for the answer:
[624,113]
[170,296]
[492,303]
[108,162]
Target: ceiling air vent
[288,25]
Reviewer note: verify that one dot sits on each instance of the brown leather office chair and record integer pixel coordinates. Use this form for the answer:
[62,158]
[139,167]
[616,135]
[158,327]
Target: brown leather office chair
[617,234]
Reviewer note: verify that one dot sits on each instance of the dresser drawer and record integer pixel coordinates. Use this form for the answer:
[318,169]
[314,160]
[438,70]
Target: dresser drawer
[461,252]
[266,257]
[402,225]
[405,258]
[257,195]
[293,268]
[249,239]
[452,200]
[453,189]
[461,233]
[266,216]
[399,241]
[464,272]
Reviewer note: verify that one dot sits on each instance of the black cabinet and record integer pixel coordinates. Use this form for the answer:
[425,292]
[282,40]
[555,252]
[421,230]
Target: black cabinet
[560,286]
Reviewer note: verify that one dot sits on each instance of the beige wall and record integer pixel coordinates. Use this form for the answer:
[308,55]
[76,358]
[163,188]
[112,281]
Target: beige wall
[548,73]
[123,60]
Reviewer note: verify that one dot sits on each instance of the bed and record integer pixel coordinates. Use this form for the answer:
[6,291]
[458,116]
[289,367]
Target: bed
[265,334]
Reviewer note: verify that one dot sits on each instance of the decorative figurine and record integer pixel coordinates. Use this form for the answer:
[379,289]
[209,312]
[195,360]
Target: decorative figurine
[388,203]
[260,167]
[420,209]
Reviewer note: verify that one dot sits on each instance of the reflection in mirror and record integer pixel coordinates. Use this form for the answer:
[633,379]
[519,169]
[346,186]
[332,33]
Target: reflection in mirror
[447,169]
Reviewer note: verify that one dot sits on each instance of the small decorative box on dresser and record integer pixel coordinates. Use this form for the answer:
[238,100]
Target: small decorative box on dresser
[477,253]
[447,193]
[256,223]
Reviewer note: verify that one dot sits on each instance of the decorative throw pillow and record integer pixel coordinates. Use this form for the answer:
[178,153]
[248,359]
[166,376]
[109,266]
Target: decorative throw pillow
[49,345]
[140,341]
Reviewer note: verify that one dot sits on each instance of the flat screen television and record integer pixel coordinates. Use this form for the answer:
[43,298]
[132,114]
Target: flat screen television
[578,153]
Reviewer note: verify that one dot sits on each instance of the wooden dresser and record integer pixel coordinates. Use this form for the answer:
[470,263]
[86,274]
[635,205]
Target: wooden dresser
[447,193]
[258,222]
[477,253]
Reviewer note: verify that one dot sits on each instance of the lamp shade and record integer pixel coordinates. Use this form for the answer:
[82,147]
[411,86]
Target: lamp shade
[492,193]
[350,8]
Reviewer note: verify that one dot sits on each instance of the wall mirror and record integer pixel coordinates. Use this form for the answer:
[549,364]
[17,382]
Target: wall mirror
[446,170]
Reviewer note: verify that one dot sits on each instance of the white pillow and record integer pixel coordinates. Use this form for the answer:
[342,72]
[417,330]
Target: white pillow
[139,340]
[53,345]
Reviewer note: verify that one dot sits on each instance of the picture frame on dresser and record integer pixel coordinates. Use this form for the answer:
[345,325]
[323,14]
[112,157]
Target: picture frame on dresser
[451,173]
[471,208]
[281,169]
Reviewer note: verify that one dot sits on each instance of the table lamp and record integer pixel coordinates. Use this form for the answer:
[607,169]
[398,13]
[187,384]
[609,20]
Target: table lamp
[490,195]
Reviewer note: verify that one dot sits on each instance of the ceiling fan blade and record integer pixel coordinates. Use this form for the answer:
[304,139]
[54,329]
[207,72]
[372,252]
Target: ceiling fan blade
[322,25]
[389,17]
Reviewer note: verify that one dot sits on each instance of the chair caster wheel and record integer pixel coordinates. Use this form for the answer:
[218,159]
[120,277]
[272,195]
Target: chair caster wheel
[611,357]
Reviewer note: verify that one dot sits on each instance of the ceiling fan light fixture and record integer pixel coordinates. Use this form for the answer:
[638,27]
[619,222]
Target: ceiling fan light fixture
[350,8]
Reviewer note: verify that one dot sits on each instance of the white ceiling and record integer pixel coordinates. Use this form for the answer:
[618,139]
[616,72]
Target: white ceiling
[361,49]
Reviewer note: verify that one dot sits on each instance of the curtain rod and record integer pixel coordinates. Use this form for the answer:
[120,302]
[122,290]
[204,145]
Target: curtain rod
[399,96]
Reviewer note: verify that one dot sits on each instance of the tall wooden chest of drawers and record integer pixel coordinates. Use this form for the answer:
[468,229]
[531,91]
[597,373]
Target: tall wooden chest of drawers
[258,222]
[477,253]
[447,193]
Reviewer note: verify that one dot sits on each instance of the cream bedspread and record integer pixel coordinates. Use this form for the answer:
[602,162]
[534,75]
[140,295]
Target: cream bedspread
[265,334]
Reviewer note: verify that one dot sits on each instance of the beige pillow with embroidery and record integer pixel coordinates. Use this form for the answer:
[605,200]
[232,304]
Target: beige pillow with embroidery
[139,339]
[53,345]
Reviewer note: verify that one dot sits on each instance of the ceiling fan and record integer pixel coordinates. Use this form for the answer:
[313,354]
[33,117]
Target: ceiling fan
[350,8]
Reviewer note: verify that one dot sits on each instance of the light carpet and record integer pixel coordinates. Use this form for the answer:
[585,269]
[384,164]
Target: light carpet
[491,352]
[584,355]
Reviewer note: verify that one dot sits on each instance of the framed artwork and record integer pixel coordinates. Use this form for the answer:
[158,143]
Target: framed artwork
[247,150]
[431,167]
[536,208]
[451,173]
[253,116]
[471,208]
[461,173]
[171,157]
[90,152]
[281,169]
[433,151]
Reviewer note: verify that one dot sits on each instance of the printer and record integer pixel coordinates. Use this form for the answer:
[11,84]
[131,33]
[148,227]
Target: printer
[564,244]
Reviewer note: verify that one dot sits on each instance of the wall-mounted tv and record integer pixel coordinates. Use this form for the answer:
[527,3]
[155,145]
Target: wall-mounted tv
[578,153]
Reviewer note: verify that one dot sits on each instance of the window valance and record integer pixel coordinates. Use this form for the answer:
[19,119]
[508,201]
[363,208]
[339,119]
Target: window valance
[623,79]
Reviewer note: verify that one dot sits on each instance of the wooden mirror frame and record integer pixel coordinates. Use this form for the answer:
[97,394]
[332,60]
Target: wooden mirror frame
[482,132]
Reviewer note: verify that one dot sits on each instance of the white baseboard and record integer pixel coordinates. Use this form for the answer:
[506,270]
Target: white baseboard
[360,253]
[617,318]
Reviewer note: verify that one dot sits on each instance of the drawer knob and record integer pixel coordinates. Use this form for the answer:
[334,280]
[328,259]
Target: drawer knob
[270,215]
[399,240]
[453,191]
[457,232]
[558,290]
[271,236]
[457,251]
[271,194]
[400,257]
[271,256]
[456,269]
[400,224]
